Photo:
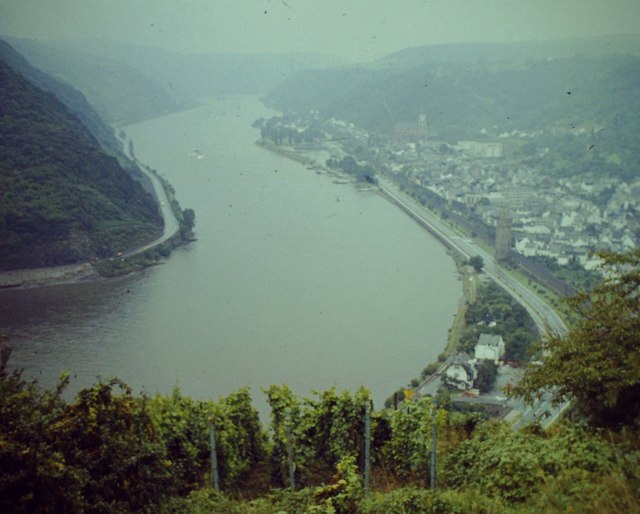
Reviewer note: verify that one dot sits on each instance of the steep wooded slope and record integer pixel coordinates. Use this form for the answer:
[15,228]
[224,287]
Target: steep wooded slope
[62,198]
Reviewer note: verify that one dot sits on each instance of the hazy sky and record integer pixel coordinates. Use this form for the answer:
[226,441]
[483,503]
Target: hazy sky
[355,29]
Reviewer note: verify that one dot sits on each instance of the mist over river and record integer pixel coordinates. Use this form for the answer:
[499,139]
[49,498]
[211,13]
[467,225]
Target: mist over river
[293,279]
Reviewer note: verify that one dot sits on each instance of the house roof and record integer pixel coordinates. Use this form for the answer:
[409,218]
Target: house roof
[489,340]
[462,360]
[462,357]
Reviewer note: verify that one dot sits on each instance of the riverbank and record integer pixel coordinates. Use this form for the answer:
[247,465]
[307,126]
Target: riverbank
[338,176]
[468,297]
[285,152]
[41,277]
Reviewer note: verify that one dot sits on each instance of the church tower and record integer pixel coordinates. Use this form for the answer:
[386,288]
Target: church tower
[422,126]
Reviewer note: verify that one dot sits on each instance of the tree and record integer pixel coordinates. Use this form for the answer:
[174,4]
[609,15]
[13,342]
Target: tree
[517,465]
[106,434]
[349,165]
[517,344]
[189,218]
[487,374]
[596,364]
[477,262]
[407,452]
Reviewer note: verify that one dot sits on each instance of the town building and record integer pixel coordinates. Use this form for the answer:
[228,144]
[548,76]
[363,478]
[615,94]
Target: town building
[460,373]
[411,132]
[490,347]
[483,150]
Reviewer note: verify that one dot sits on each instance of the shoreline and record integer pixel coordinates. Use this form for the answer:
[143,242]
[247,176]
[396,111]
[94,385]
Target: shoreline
[310,163]
[49,276]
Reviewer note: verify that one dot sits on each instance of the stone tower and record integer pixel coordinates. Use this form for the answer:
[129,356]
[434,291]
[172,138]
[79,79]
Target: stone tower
[503,236]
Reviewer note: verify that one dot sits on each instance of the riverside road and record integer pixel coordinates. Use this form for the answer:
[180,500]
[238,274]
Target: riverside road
[544,316]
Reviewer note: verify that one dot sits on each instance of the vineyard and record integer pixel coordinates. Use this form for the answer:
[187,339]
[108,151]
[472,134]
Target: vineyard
[112,451]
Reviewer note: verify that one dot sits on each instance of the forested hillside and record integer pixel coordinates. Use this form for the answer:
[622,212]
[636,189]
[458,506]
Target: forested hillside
[62,198]
[515,52]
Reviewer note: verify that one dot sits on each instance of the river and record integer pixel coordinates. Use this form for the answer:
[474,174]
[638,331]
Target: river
[294,279]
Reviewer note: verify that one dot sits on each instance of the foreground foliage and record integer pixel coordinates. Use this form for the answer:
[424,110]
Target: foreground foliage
[100,453]
[596,364]
[111,451]
[183,426]
[515,466]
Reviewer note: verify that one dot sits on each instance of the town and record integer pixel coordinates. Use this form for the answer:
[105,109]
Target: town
[483,182]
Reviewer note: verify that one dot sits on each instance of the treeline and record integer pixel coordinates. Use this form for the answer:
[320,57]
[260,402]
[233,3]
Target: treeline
[280,131]
[118,92]
[361,172]
[455,212]
[573,273]
[109,450]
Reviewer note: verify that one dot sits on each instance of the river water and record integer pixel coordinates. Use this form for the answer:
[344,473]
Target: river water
[294,279]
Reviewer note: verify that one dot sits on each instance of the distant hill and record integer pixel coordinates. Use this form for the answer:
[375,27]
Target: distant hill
[117,91]
[128,83]
[188,77]
[62,198]
[578,100]
[518,52]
